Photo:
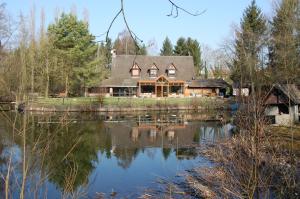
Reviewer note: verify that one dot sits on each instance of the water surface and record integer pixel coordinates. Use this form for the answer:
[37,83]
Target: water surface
[87,154]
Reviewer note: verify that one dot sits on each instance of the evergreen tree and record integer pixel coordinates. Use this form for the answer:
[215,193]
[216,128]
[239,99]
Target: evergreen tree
[190,47]
[195,51]
[167,48]
[142,50]
[248,45]
[181,48]
[284,49]
[76,51]
[108,48]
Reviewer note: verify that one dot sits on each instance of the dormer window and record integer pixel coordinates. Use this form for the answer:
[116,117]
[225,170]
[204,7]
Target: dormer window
[171,70]
[135,70]
[153,70]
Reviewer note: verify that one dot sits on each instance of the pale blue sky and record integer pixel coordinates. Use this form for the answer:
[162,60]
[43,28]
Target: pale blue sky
[148,19]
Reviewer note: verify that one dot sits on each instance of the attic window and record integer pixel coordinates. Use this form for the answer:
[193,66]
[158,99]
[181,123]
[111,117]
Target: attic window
[135,70]
[153,70]
[171,70]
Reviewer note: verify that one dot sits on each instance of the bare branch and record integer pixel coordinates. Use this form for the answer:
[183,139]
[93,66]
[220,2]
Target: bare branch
[112,22]
[177,8]
[133,35]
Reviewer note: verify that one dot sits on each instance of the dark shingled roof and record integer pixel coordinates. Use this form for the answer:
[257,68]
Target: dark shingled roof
[121,65]
[208,83]
[290,90]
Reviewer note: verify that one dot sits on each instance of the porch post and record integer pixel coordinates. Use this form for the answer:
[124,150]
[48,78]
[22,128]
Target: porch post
[139,92]
[168,85]
[182,89]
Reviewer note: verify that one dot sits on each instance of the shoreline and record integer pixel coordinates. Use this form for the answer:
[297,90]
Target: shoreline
[117,109]
[127,104]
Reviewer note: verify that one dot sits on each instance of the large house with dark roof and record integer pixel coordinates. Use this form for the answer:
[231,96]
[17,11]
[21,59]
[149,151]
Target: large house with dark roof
[157,76]
[149,76]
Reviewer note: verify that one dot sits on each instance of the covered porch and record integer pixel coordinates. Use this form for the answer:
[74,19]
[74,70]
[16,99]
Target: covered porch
[160,87]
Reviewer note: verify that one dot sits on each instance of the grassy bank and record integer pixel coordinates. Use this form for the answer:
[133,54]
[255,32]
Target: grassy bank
[127,102]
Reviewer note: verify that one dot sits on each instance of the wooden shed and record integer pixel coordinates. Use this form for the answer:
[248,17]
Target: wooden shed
[282,104]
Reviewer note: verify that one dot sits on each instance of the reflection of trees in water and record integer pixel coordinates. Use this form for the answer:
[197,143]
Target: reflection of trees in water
[166,152]
[104,141]
[186,153]
[71,151]
[2,169]
[125,156]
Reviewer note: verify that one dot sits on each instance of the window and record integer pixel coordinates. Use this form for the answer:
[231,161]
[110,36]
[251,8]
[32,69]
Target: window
[171,70]
[135,70]
[153,70]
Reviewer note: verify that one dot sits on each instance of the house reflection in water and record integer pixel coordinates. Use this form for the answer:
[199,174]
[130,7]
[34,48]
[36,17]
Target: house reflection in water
[165,131]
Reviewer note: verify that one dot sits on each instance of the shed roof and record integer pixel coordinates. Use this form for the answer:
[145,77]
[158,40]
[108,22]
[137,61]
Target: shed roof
[286,92]
[121,65]
[208,83]
[290,90]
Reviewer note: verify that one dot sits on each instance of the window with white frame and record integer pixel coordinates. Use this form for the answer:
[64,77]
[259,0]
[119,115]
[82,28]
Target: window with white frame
[153,70]
[135,70]
[171,70]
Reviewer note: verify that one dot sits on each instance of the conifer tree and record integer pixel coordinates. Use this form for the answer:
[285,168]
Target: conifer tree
[181,48]
[195,51]
[77,52]
[189,47]
[284,48]
[167,48]
[248,45]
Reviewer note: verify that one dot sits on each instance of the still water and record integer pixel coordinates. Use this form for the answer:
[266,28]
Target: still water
[87,154]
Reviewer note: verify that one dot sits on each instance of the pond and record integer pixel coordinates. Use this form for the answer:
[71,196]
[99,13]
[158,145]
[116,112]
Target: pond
[81,154]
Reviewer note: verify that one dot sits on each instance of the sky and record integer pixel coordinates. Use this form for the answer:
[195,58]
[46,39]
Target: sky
[148,18]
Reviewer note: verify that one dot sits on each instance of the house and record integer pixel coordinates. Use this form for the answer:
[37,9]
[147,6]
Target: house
[148,76]
[282,104]
[207,87]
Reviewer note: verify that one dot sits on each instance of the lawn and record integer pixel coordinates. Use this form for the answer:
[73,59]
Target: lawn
[126,101]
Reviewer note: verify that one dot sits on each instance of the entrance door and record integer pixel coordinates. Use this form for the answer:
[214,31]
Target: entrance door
[159,91]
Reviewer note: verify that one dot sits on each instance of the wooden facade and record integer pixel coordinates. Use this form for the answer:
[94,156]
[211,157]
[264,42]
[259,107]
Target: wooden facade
[161,87]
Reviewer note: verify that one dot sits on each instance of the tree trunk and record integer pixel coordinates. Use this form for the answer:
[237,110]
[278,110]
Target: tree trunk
[32,79]
[47,74]
[67,86]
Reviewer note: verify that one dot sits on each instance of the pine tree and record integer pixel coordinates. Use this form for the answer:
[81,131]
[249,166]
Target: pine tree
[284,49]
[181,47]
[167,48]
[195,51]
[108,48]
[77,51]
[248,45]
[189,47]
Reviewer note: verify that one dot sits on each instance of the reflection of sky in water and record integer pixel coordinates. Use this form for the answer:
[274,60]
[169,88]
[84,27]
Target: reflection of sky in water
[142,172]
[128,154]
